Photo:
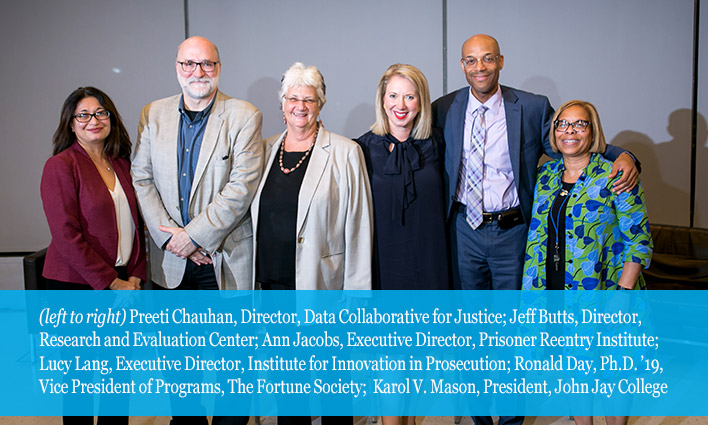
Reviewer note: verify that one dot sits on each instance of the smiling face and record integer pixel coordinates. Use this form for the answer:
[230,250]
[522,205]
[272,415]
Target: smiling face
[571,142]
[95,131]
[401,104]
[483,76]
[198,84]
[301,108]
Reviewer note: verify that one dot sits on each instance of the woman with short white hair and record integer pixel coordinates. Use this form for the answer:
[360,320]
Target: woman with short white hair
[312,211]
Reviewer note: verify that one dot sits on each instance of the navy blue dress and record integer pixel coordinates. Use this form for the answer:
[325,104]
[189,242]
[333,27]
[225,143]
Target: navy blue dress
[410,248]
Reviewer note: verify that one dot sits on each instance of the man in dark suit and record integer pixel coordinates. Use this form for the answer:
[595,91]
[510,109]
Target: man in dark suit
[491,255]
[488,252]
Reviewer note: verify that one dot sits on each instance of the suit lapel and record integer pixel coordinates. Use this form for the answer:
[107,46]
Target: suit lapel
[313,175]
[513,131]
[209,141]
[457,112]
[169,124]
[271,152]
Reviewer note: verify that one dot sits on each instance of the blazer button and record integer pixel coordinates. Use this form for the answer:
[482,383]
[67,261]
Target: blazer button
[300,239]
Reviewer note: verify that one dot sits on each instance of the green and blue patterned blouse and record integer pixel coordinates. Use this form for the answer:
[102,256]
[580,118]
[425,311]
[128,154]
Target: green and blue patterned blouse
[603,230]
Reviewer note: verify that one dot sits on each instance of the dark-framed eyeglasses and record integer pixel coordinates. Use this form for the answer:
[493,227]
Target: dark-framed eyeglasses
[486,59]
[84,117]
[579,125]
[191,66]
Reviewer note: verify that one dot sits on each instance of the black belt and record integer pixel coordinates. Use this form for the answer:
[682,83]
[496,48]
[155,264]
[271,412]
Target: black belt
[507,218]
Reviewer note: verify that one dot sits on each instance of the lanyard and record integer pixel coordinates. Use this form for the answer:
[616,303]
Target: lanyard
[556,255]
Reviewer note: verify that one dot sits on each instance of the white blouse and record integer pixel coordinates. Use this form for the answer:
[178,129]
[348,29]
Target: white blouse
[124,221]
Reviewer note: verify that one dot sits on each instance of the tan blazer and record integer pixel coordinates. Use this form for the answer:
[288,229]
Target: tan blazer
[227,175]
[334,226]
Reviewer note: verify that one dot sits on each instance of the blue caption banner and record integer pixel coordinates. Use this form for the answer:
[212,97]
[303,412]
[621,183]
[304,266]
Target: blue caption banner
[537,353]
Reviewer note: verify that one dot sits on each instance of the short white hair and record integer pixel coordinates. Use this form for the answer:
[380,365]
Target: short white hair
[299,75]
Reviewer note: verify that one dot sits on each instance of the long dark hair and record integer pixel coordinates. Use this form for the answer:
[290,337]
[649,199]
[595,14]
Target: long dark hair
[117,144]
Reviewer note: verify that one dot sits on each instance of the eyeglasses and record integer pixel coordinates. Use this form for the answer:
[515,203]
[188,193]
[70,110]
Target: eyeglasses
[486,59]
[191,66]
[579,125]
[84,117]
[307,101]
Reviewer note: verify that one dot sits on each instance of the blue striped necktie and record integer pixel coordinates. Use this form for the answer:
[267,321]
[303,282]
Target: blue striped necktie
[475,168]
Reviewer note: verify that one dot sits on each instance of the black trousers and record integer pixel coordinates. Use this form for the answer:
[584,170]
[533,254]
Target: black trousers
[201,278]
[69,353]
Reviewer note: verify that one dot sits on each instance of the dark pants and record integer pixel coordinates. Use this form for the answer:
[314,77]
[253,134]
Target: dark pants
[503,420]
[487,257]
[68,352]
[307,420]
[201,278]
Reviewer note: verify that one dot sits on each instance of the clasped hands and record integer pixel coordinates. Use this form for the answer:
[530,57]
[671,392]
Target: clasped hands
[181,245]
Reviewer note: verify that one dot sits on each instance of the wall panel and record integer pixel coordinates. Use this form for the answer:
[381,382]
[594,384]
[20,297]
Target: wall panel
[126,48]
[352,43]
[701,213]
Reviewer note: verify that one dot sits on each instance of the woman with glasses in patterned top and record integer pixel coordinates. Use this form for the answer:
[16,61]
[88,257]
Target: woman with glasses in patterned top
[582,235]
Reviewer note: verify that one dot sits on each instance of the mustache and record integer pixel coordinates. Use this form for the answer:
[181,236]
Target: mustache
[199,80]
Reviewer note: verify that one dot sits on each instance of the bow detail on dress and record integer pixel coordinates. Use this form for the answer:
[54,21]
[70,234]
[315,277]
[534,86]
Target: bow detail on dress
[401,163]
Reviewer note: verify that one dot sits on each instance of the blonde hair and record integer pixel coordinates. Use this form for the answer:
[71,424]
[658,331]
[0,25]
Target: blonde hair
[598,137]
[423,121]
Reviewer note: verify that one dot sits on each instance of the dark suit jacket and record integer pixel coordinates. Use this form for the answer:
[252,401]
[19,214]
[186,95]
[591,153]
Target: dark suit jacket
[528,121]
[82,220]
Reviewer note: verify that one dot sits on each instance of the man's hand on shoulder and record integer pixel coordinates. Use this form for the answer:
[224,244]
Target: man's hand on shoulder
[630,174]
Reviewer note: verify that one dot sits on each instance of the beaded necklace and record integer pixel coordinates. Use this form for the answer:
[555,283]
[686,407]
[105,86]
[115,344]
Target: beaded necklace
[307,152]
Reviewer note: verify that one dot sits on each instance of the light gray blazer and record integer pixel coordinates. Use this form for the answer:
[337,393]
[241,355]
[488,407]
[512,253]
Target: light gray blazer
[227,175]
[334,226]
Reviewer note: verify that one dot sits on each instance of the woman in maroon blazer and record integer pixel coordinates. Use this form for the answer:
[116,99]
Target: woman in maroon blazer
[97,238]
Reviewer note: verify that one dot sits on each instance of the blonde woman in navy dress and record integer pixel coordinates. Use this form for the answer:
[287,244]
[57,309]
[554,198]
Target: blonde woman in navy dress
[404,159]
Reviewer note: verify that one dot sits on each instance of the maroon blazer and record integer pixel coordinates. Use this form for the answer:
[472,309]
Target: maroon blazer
[82,220]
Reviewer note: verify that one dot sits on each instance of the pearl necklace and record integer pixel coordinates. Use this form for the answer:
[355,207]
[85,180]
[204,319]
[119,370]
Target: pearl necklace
[299,163]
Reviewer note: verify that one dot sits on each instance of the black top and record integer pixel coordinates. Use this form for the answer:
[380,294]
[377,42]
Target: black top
[277,223]
[410,249]
[555,279]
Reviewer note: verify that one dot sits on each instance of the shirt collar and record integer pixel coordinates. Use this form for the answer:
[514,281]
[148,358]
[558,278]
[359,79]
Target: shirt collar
[199,115]
[494,103]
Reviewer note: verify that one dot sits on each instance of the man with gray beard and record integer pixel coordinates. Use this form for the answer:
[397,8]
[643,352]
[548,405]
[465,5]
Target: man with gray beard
[196,166]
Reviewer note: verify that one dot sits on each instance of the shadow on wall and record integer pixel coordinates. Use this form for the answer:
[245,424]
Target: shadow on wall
[543,86]
[359,120]
[263,93]
[665,167]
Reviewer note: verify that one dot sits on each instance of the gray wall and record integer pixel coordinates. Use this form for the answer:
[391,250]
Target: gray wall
[631,58]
